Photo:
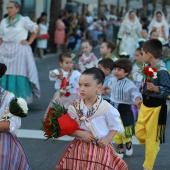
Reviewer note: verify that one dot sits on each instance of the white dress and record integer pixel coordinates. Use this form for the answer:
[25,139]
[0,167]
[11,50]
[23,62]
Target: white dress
[19,58]
[129,33]
[73,80]
[87,62]
[42,43]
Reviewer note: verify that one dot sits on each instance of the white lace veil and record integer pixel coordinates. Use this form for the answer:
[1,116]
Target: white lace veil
[164,22]
[136,19]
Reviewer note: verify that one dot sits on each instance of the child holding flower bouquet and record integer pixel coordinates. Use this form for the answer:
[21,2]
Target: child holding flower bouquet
[151,123]
[99,121]
[66,81]
[12,155]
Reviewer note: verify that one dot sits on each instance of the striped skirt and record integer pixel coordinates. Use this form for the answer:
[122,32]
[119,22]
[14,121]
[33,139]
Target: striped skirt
[12,155]
[20,62]
[81,155]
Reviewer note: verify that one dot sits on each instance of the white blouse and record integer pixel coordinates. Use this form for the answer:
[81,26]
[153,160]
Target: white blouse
[15,121]
[19,31]
[88,62]
[104,123]
[74,78]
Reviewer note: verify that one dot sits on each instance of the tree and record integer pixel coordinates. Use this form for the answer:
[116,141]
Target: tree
[144,7]
[1,3]
[55,9]
[154,5]
[100,7]
[127,5]
[164,2]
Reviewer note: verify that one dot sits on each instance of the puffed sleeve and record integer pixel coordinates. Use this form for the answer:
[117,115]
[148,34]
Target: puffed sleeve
[30,25]
[114,121]
[15,123]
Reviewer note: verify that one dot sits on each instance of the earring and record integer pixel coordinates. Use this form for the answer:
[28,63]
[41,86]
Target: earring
[98,93]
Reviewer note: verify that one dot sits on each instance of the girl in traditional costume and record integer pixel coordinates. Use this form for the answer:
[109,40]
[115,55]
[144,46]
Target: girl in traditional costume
[88,59]
[12,155]
[21,78]
[151,123]
[92,148]
[160,25]
[66,81]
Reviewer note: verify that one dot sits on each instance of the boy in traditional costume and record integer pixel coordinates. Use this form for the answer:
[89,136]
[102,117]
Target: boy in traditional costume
[151,121]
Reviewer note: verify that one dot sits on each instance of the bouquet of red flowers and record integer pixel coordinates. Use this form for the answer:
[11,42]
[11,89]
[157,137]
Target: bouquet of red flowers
[149,73]
[65,86]
[58,122]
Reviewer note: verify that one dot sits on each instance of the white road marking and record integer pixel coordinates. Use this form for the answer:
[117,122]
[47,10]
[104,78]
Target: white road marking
[38,134]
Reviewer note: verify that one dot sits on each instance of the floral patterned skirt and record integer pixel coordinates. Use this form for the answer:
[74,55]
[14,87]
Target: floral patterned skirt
[81,155]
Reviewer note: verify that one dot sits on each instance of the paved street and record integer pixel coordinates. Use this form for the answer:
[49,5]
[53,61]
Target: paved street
[43,155]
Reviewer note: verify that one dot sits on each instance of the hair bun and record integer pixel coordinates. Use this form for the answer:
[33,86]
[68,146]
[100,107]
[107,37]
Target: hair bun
[3,69]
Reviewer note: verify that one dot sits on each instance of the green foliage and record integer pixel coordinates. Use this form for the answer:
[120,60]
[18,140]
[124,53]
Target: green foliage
[50,124]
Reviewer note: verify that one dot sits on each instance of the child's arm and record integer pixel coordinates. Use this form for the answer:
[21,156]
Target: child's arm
[152,87]
[138,102]
[53,74]
[103,142]
[84,135]
[106,90]
[162,90]
[4,125]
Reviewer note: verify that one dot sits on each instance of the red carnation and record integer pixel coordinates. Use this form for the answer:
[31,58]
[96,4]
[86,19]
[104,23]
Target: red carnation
[64,83]
[47,124]
[48,132]
[50,112]
[67,94]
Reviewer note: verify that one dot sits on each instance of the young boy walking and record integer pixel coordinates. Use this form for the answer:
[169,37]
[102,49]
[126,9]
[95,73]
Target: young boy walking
[151,121]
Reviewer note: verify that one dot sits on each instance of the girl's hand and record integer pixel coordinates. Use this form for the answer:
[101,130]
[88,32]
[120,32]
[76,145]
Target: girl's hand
[87,136]
[24,42]
[103,142]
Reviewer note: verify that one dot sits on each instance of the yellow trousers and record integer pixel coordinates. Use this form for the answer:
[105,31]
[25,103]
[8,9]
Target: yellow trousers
[146,133]
[119,138]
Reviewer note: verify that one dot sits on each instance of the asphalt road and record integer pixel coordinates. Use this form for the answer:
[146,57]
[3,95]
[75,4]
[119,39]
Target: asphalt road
[43,155]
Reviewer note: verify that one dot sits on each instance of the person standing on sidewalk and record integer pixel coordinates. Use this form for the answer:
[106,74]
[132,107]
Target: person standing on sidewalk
[21,78]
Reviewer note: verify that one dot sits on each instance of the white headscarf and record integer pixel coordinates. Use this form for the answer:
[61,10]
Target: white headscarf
[163,21]
[136,19]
